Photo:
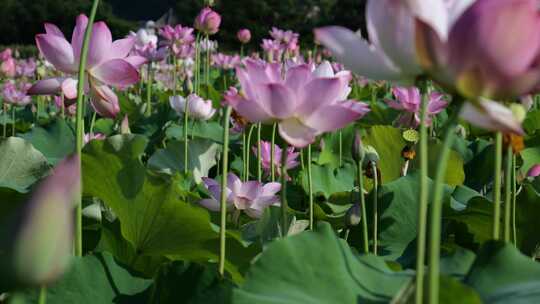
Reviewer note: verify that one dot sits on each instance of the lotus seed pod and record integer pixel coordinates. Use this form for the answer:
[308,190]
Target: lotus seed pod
[353,216]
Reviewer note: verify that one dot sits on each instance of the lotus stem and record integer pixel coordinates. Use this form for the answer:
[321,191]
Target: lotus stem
[497,186]
[251,128]
[272,154]
[80,121]
[375,207]
[508,192]
[259,162]
[340,133]
[245,152]
[514,198]
[284,205]
[360,180]
[13,120]
[310,188]
[223,198]
[186,139]
[149,89]
[42,295]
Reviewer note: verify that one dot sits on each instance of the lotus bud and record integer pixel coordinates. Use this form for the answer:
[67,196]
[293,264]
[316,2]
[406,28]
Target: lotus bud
[124,126]
[244,36]
[208,21]
[534,171]
[358,151]
[353,216]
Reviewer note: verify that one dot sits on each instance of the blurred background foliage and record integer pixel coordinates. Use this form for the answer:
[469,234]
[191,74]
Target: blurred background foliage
[21,20]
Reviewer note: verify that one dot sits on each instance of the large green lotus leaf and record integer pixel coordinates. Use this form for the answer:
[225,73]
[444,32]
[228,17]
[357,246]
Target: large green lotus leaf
[327,181]
[532,122]
[55,142]
[21,165]
[202,156]
[527,215]
[198,129]
[472,225]
[330,151]
[96,278]
[455,174]
[531,157]
[501,274]
[155,213]
[388,142]
[318,267]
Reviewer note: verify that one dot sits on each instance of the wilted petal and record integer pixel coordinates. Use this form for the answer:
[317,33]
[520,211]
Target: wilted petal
[491,116]
[57,51]
[296,133]
[116,72]
[356,53]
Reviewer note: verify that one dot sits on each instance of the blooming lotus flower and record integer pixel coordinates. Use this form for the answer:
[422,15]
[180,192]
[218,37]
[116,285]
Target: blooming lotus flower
[26,68]
[8,67]
[208,45]
[534,171]
[6,54]
[266,157]
[252,196]
[16,93]
[198,108]
[244,36]
[303,104]
[108,64]
[487,48]
[143,37]
[391,53]
[226,62]
[38,247]
[151,52]
[208,21]
[409,101]
[491,116]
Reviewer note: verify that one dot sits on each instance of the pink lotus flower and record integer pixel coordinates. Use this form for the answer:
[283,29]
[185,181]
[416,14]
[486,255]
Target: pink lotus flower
[409,101]
[8,67]
[226,62]
[16,93]
[244,36]
[304,104]
[252,196]
[391,54]
[88,137]
[151,52]
[26,68]
[198,108]
[534,171]
[208,21]
[70,109]
[266,157]
[487,48]
[108,64]
[491,116]
[179,39]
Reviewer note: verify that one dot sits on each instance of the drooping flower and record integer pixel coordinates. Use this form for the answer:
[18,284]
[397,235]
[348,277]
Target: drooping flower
[487,48]
[244,36]
[409,101]
[303,104]
[252,196]
[16,93]
[198,108]
[208,21]
[390,54]
[266,157]
[108,64]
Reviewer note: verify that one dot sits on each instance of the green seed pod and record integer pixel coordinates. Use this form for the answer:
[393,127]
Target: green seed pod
[353,216]
[371,156]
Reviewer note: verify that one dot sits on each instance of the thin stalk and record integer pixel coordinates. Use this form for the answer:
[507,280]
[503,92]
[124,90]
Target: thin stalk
[80,121]
[272,154]
[207,74]
[436,212]
[13,120]
[244,156]
[175,74]
[251,128]
[259,164]
[197,64]
[149,90]
[5,119]
[223,198]
[63,109]
[302,162]
[186,139]
[42,295]
[508,192]
[422,206]
[360,180]
[514,198]
[497,187]
[340,148]
[375,207]
[284,205]
[310,188]
[93,122]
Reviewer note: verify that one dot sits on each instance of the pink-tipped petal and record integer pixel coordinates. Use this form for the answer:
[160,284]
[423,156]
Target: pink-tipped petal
[121,48]
[116,72]
[534,171]
[136,61]
[277,99]
[297,77]
[57,51]
[356,53]
[434,13]
[47,86]
[296,133]
[52,29]
[317,93]
[337,116]
[100,44]
[78,35]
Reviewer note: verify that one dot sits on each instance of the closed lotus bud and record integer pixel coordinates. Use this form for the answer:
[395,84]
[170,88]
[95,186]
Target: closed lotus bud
[38,247]
[244,36]
[198,108]
[208,21]
[124,126]
[534,171]
[353,216]
[371,155]
[358,151]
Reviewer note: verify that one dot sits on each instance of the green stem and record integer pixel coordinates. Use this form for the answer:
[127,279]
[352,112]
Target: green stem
[92,122]
[272,154]
[508,193]
[436,211]
[251,128]
[259,164]
[42,295]
[423,205]
[5,119]
[497,187]
[175,74]
[244,156]
[223,198]
[80,121]
[514,198]
[284,205]
[13,123]
[310,188]
[360,180]
[340,148]
[149,90]
[375,207]
[63,109]
[207,73]
[197,63]
[186,139]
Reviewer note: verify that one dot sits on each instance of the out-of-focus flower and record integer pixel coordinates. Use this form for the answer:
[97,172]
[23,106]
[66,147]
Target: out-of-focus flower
[208,45]
[487,48]
[108,64]
[244,36]
[39,246]
[8,66]
[69,109]
[491,116]
[534,171]
[143,37]
[266,157]
[26,68]
[16,93]
[226,62]
[88,137]
[208,21]
[273,49]
[409,101]
[303,104]
[179,39]
[151,52]
[198,108]
[390,54]
[252,196]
